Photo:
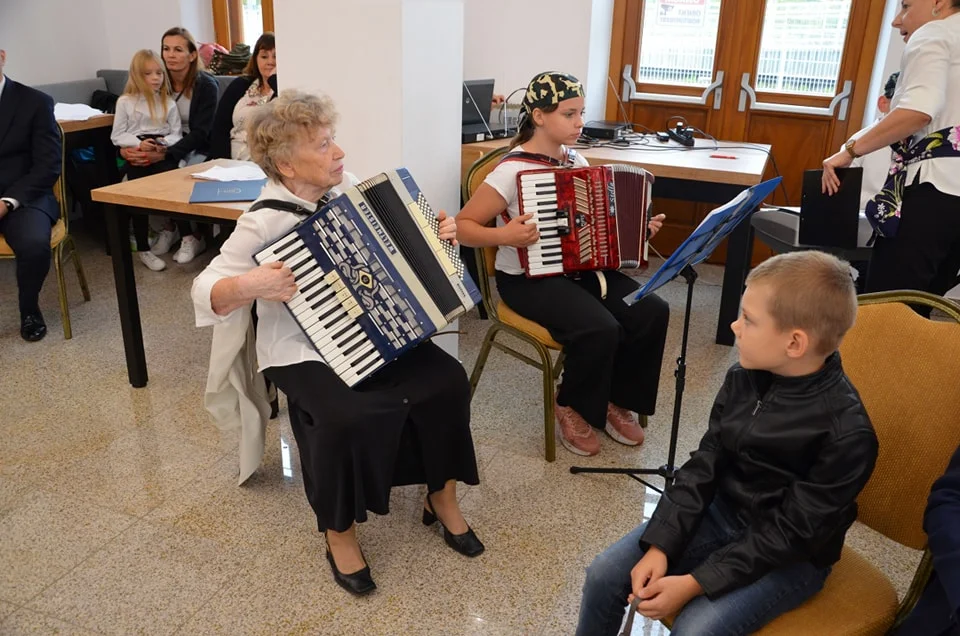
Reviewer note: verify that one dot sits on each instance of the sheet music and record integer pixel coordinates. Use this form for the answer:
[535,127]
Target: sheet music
[702,241]
[733,203]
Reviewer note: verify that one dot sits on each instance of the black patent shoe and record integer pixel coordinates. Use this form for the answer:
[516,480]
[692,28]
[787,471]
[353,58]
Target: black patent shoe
[466,544]
[359,583]
[32,327]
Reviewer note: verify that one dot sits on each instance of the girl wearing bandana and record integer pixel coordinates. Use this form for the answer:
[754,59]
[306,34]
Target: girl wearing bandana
[613,351]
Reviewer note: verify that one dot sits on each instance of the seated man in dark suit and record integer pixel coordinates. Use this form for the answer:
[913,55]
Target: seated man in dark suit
[29,166]
[938,610]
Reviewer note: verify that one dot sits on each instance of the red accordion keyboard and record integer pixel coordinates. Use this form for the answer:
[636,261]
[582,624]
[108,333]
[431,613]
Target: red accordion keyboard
[589,219]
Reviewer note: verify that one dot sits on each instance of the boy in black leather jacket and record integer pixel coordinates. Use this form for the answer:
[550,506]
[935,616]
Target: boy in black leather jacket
[757,516]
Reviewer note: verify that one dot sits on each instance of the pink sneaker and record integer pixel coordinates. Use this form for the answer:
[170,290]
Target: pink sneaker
[576,435]
[622,426]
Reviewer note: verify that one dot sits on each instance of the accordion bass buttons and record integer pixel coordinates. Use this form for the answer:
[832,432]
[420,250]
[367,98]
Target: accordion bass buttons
[563,221]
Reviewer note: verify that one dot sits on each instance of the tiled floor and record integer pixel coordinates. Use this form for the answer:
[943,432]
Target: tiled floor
[120,514]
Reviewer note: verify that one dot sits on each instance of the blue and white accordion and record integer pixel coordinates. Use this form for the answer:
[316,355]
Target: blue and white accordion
[373,278]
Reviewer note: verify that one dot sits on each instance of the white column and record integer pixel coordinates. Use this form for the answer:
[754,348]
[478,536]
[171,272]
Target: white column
[394,69]
[513,40]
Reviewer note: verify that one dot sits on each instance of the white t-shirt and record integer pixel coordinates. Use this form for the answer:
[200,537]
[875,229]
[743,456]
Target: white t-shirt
[503,179]
[930,83]
[280,341]
[183,107]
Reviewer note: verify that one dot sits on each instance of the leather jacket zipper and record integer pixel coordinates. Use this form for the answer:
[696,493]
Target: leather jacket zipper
[756,391]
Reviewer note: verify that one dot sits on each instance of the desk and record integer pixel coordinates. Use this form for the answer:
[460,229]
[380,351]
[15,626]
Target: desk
[779,228]
[77,125]
[686,176]
[94,132]
[167,193]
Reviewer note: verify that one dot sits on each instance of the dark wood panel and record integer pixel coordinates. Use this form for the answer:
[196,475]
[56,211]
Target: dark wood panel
[798,145]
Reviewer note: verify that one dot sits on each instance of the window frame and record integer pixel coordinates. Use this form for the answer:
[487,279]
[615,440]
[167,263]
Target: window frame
[228,21]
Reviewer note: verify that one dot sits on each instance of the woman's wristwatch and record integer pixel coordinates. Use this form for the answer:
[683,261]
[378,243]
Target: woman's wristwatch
[849,148]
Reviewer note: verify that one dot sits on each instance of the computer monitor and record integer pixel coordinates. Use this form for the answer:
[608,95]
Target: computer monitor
[477,96]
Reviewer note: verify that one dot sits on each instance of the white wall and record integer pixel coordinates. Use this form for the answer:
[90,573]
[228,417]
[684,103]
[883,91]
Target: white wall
[432,118]
[197,17]
[598,61]
[130,26]
[58,40]
[333,70]
[889,51]
[512,41]
[50,41]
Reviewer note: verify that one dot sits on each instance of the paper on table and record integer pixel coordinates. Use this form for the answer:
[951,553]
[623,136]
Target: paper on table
[74,112]
[240,171]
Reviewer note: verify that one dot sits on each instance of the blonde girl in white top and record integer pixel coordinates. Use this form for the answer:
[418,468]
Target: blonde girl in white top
[146,118]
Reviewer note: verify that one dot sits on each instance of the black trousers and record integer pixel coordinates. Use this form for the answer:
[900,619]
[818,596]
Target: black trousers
[925,254]
[27,231]
[613,350]
[407,424]
[141,227]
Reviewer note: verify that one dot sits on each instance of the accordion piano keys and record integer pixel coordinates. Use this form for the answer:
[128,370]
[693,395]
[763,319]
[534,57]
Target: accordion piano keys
[373,278]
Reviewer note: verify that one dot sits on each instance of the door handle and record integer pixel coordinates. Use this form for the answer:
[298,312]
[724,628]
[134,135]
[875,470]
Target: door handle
[748,98]
[630,92]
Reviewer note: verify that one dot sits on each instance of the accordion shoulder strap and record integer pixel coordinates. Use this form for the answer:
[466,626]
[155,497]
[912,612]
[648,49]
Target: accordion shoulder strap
[278,204]
[531,157]
[570,156]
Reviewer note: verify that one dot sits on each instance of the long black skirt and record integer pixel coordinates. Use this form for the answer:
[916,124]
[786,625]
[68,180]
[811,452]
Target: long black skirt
[408,424]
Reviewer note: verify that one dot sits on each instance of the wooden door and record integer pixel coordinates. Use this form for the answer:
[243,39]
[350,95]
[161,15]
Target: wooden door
[790,73]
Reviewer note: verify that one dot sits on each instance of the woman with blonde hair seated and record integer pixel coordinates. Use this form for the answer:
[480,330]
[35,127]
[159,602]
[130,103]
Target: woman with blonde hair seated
[407,424]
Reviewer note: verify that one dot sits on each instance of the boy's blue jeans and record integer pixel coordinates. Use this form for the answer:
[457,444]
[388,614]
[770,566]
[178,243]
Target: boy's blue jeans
[740,611]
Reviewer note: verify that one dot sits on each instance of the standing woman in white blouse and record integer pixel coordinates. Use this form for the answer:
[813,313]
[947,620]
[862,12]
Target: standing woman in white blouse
[916,217]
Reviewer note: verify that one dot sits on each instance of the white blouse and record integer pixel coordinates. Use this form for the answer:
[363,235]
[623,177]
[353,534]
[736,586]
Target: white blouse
[244,107]
[280,341]
[132,118]
[930,83]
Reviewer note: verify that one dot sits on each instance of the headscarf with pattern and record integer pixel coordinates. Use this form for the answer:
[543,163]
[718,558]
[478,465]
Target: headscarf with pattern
[547,89]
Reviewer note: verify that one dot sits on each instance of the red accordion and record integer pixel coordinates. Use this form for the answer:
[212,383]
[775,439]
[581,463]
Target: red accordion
[589,219]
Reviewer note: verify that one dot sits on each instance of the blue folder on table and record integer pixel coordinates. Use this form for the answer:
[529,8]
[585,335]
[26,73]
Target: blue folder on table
[226,191]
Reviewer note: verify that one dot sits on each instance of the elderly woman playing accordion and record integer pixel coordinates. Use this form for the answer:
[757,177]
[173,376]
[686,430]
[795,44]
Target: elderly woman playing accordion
[407,424]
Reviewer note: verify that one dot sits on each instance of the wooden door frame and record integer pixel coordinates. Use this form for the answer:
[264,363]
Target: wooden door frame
[228,21]
[862,59]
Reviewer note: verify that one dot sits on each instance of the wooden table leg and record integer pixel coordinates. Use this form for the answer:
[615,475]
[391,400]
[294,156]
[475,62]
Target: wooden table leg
[739,255]
[118,222]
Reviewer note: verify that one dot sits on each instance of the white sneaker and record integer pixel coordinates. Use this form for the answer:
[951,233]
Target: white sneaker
[165,238]
[152,261]
[190,247]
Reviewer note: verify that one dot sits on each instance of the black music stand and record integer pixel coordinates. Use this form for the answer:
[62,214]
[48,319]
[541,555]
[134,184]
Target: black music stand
[698,246]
